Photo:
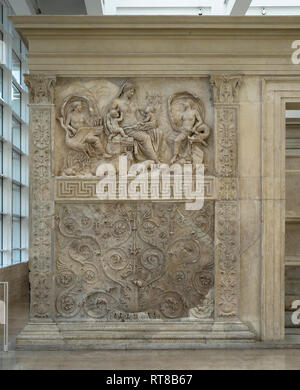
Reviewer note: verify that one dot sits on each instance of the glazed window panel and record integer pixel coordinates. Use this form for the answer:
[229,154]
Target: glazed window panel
[16,240]
[1,195]
[13,144]
[1,157]
[1,14]
[16,166]
[16,67]
[1,120]
[1,240]
[16,44]
[16,199]
[16,100]
[1,82]
[16,133]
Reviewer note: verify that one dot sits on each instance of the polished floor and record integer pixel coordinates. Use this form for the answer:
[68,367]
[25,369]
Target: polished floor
[262,359]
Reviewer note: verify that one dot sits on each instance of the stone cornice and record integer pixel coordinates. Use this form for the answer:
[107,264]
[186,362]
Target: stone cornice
[162,23]
[131,46]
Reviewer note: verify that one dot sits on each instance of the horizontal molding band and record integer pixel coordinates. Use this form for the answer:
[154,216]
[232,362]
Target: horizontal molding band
[160,22]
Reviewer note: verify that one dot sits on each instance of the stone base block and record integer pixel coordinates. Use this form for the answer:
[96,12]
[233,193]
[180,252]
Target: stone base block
[133,335]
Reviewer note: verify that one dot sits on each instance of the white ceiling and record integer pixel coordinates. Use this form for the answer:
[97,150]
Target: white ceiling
[156,7]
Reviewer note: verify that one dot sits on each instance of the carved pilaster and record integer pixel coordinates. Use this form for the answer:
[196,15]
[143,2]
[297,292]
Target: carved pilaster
[41,90]
[226,88]
[226,142]
[227,236]
[227,259]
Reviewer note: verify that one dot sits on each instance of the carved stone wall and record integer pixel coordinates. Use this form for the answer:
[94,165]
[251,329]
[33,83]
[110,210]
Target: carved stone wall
[164,75]
[125,260]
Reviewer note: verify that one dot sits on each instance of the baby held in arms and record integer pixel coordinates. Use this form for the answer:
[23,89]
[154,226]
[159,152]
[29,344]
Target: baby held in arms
[113,120]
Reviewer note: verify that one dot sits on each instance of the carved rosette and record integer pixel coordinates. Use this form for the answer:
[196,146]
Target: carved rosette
[227,262]
[42,207]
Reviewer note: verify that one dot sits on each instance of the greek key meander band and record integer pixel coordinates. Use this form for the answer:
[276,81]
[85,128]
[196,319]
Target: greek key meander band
[78,189]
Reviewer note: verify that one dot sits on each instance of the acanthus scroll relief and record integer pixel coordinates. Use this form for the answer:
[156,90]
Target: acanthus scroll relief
[128,261]
[148,122]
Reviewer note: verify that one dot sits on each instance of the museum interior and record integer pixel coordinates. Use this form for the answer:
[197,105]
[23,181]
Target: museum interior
[149,177]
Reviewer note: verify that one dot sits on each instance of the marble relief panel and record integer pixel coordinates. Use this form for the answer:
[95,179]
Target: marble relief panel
[117,261]
[149,120]
[132,260]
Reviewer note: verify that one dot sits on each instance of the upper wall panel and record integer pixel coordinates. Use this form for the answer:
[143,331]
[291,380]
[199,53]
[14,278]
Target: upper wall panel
[159,45]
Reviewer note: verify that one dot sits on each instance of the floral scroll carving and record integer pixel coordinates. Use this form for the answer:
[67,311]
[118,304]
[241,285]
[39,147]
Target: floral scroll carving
[121,261]
[41,96]
[227,188]
[227,247]
[42,207]
[226,93]
[41,286]
[226,156]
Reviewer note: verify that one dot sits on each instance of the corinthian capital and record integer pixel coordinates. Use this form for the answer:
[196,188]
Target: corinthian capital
[226,88]
[41,88]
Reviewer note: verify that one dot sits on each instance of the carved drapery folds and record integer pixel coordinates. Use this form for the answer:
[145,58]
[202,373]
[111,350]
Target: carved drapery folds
[150,128]
[226,95]
[41,90]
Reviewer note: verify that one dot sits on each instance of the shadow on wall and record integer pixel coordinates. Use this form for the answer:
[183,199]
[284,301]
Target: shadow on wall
[17,277]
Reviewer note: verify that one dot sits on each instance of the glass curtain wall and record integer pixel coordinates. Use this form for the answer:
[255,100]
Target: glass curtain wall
[13,144]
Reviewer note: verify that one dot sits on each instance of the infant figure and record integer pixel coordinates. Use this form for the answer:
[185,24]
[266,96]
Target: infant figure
[113,120]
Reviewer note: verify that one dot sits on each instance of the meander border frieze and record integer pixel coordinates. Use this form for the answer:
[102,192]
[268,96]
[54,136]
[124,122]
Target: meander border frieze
[82,189]
[41,91]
